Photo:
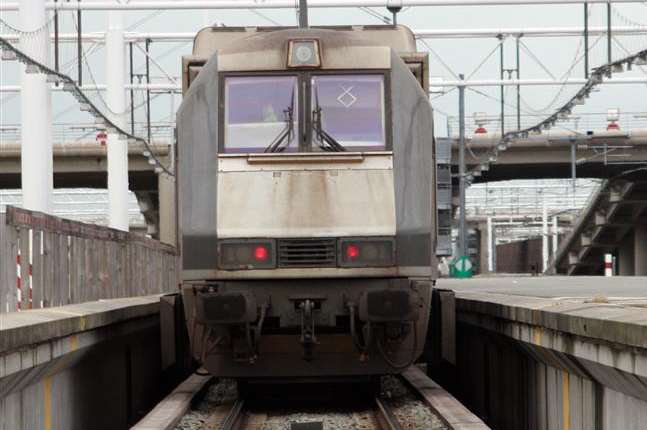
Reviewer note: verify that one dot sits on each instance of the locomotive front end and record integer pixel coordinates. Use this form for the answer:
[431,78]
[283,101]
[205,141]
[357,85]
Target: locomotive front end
[306,202]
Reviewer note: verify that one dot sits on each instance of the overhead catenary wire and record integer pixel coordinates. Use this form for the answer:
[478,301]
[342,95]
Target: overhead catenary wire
[487,57]
[567,74]
[439,58]
[596,78]
[536,59]
[70,85]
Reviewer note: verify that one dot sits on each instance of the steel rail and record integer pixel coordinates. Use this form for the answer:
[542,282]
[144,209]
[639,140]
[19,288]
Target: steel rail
[385,417]
[234,419]
[288,4]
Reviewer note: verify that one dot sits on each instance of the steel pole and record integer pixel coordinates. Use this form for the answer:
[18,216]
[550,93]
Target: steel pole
[132,92]
[586,40]
[518,86]
[609,35]
[502,87]
[462,233]
[544,238]
[116,100]
[148,91]
[79,46]
[490,245]
[555,242]
[36,111]
[56,38]
[573,165]
[303,13]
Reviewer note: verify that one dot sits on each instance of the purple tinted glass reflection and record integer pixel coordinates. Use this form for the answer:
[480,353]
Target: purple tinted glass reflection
[352,109]
[255,111]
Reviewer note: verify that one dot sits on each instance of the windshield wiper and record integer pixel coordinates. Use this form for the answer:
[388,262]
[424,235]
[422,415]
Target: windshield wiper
[326,141]
[287,133]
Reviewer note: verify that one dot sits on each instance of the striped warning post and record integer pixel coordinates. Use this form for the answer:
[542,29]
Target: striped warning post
[18,283]
[608,265]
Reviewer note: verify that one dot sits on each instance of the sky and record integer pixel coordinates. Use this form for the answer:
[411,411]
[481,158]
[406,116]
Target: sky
[449,58]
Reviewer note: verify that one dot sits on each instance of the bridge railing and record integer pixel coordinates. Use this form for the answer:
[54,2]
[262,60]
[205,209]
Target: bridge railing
[47,261]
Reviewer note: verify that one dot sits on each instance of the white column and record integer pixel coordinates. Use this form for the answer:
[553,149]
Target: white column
[116,99]
[36,112]
[544,237]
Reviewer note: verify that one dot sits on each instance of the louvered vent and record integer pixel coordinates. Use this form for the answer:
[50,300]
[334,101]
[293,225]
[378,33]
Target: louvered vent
[307,253]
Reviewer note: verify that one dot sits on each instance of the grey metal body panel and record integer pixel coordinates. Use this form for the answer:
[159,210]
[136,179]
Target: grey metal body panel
[198,169]
[413,159]
[414,169]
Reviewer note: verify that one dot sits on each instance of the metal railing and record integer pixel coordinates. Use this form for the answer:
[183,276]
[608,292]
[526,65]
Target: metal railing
[69,133]
[581,122]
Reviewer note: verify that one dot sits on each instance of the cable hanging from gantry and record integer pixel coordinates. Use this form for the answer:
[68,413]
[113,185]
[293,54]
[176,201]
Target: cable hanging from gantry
[10,52]
[596,78]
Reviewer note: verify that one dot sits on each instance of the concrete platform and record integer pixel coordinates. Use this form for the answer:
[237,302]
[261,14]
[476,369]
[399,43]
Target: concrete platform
[93,365]
[553,352]
[553,286]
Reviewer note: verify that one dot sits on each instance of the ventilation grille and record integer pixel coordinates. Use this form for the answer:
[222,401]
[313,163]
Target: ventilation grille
[307,253]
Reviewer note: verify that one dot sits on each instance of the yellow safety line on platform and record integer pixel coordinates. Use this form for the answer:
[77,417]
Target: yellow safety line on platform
[566,401]
[47,400]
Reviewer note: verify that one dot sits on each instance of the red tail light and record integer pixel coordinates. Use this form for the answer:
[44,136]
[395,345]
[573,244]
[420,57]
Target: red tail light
[261,253]
[352,251]
[245,254]
[366,252]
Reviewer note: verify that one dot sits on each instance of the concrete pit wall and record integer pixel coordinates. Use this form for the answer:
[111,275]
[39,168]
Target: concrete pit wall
[513,385]
[109,385]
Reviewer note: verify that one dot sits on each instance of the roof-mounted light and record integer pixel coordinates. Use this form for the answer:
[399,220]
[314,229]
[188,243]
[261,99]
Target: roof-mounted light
[304,53]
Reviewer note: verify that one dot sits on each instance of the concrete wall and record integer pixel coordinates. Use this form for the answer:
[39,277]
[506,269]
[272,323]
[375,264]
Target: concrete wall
[111,387]
[90,366]
[513,385]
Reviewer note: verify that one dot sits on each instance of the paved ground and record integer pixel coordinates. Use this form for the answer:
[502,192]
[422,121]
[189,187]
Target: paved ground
[553,286]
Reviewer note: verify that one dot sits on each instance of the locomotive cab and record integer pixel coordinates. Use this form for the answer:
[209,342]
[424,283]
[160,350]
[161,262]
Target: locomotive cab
[306,180]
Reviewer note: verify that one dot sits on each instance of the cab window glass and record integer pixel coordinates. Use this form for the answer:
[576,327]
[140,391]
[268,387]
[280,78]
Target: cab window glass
[260,111]
[350,109]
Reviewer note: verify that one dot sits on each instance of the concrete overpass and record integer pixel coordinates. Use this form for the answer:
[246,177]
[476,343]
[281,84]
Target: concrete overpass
[595,154]
[82,163]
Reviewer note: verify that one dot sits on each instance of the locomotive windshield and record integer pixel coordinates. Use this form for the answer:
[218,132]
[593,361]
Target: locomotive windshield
[350,110]
[347,113]
[260,113]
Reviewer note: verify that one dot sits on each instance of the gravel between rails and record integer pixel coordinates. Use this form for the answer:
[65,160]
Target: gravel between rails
[217,394]
[412,413]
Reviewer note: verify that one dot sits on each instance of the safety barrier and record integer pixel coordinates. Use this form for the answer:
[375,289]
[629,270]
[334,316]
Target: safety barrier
[47,261]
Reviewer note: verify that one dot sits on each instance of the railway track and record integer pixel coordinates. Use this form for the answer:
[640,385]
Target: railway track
[410,401]
[239,418]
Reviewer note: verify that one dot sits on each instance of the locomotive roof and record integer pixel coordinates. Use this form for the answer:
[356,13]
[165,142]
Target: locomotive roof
[254,39]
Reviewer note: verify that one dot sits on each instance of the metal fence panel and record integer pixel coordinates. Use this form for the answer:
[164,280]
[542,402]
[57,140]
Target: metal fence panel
[63,262]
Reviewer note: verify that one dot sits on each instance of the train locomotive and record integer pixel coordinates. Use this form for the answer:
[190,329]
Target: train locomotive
[306,201]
